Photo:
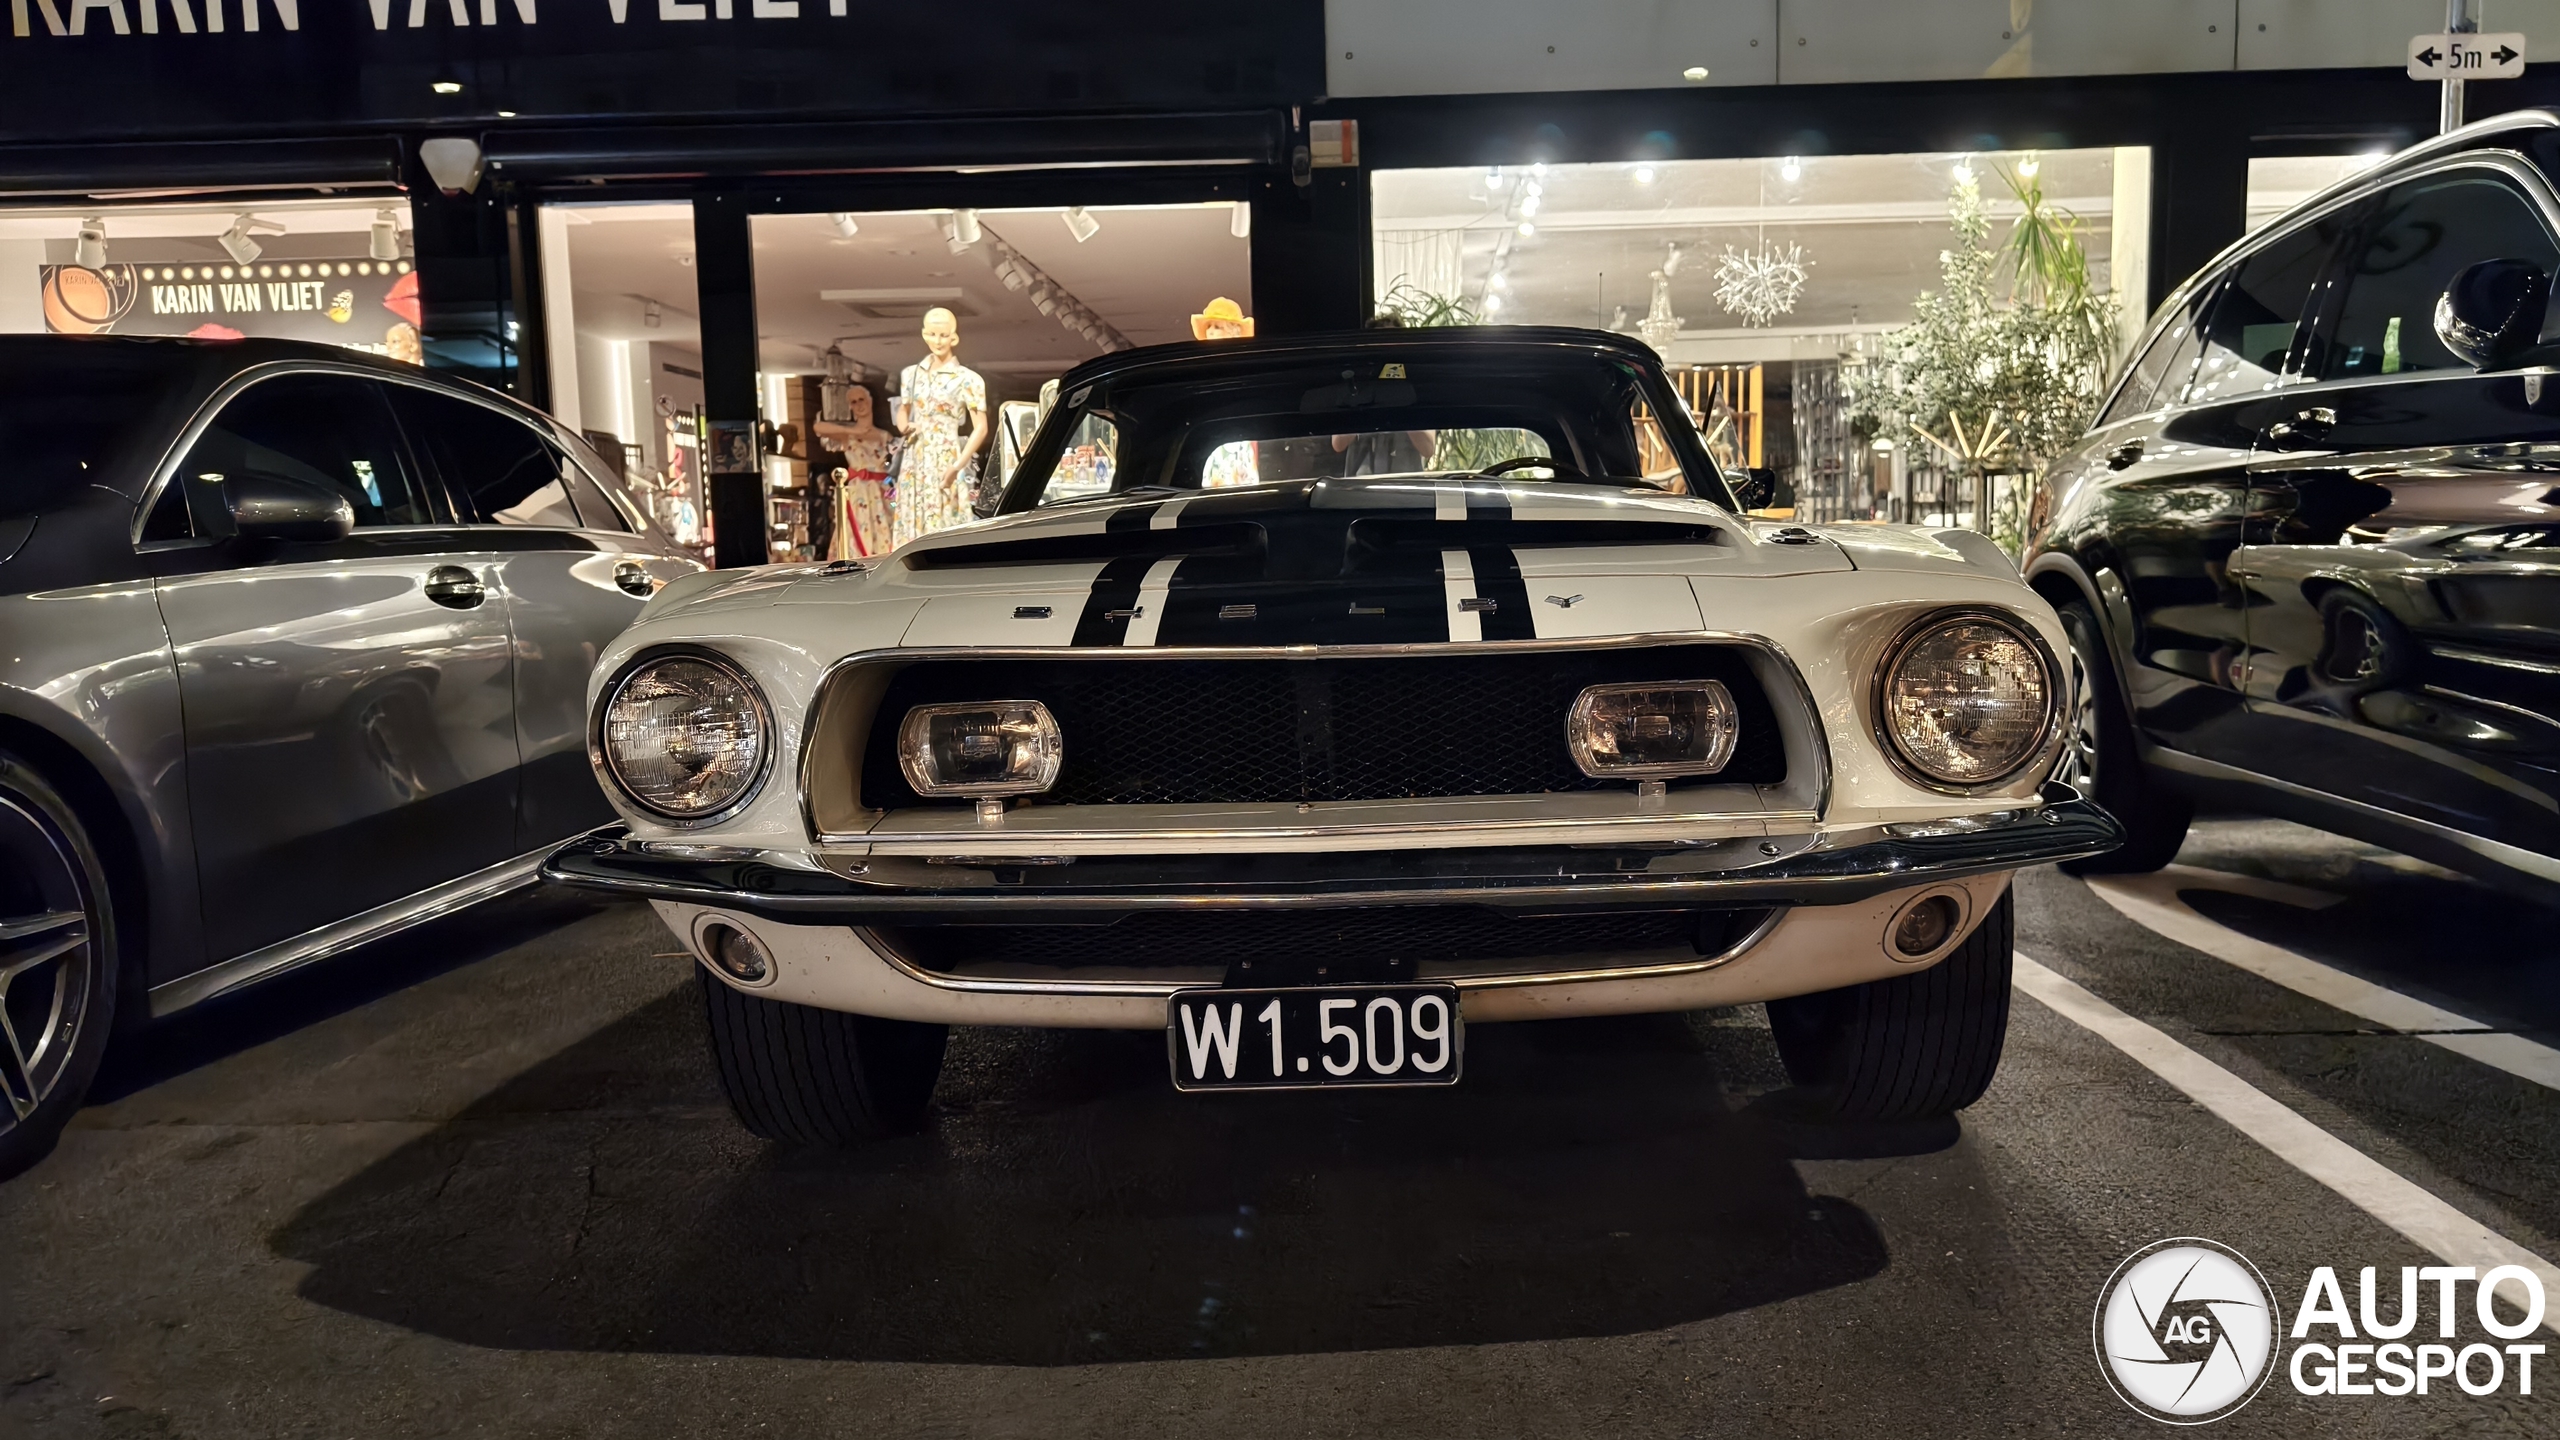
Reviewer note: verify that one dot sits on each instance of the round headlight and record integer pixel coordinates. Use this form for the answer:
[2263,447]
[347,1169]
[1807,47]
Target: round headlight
[1967,701]
[684,737]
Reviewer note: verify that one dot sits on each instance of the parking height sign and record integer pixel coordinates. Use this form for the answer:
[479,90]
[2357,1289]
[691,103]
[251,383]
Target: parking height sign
[2466,57]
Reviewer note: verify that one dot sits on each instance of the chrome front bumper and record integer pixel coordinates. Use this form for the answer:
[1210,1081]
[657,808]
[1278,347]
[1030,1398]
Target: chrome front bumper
[1821,868]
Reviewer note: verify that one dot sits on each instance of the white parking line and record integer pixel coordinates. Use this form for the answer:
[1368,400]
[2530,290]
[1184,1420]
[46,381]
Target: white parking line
[2405,1206]
[2152,902]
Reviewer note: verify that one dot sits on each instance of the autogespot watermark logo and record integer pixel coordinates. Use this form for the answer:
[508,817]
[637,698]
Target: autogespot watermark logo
[2185,1329]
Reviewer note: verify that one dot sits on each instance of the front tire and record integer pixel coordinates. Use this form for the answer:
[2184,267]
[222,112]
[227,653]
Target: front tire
[58,964]
[2102,760]
[808,1076]
[1914,1047]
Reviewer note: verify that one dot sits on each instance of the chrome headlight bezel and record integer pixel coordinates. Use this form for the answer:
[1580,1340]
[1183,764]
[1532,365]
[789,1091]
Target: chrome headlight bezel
[1888,740]
[600,756]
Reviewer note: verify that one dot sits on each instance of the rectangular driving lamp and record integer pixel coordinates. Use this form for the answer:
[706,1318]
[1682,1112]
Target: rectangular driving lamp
[980,748]
[1652,730]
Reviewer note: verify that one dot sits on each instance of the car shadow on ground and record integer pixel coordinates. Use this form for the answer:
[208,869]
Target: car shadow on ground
[227,1025]
[1065,1206]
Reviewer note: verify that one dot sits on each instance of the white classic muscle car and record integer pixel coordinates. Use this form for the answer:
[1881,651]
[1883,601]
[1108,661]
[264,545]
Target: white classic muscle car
[1312,699]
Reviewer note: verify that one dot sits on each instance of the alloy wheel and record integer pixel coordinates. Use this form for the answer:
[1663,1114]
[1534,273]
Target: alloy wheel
[2077,766]
[48,958]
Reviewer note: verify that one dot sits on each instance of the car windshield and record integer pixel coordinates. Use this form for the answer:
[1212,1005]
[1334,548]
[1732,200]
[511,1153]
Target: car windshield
[1209,422]
[66,407]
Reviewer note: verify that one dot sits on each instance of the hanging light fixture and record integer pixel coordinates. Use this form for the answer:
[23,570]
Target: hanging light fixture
[384,243]
[833,405]
[91,252]
[1079,224]
[964,230]
[1763,282]
[236,241]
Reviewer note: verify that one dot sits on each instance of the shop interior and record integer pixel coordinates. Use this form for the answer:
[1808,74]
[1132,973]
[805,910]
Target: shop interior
[1016,297]
[336,270]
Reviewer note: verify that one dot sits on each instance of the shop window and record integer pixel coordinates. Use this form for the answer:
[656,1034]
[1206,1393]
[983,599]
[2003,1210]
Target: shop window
[2412,245]
[336,271]
[2159,378]
[1087,464]
[326,430]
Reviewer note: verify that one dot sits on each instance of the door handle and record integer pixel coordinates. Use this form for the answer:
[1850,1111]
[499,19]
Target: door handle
[634,579]
[2309,426]
[455,588]
[2124,455]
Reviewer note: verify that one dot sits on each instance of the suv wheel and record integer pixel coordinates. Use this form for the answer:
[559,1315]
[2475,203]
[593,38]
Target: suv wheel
[58,965]
[1914,1047]
[2100,759]
[819,1077]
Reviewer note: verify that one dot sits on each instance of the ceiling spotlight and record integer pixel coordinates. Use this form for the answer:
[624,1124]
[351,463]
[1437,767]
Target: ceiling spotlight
[1671,261]
[1644,174]
[2027,168]
[1045,299]
[1494,179]
[844,222]
[649,315]
[237,244]
[1791,171]
[1080,224]
[964,230]
[1497,280]
[1012,276]
[1539,169]
[1527,229]
[1240,220]
[91,252]
[1529,204]
[447,87]
[1964,172]
[1694,74]
[1493,304]
[384,243]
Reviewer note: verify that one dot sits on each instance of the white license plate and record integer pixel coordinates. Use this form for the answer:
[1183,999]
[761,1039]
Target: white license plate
[1314,1038]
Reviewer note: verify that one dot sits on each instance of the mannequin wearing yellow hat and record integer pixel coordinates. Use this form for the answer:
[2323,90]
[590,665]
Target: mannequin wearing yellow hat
[1224,319]
[1233,463]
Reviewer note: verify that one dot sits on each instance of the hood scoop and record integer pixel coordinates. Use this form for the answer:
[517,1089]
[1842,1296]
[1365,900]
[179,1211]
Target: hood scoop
[1234,538]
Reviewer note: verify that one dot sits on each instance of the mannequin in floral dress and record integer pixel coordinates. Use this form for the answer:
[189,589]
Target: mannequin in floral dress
[862,499]
[934,395]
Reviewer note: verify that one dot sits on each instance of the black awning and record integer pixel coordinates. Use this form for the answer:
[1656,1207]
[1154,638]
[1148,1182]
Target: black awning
[1251,137]
[198,166]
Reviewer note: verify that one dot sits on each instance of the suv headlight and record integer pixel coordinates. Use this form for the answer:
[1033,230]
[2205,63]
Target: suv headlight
[1966,700]
[684,736]
[1652,730]
[982,747]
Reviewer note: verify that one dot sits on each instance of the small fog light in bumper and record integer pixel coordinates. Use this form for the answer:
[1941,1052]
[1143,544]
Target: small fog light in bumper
[1926,927]
[981,748]
[1652,730]
[736,954]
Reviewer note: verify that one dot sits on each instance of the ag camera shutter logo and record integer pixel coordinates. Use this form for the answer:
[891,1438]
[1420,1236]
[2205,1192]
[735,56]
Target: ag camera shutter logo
[2185,1329]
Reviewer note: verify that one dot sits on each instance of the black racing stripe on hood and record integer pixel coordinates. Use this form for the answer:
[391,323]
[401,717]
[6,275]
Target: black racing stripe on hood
[1223,600]
[1114,590]
[1498,580]
[1488,502]
[1134,517]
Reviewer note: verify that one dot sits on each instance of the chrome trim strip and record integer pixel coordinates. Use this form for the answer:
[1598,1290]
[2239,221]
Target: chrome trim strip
[2497,852]
[1035,841]
[1806,721]
[1017,985]
[343,935]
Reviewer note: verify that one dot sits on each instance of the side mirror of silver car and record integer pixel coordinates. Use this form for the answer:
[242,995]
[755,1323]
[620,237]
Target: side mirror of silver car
[2493,311]
[274,507]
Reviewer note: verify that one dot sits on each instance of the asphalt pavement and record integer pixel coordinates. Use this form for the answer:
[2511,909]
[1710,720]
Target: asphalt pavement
[479,1180]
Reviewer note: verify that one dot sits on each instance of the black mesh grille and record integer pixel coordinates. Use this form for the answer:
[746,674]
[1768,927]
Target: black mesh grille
[1248,731]
[1349,938]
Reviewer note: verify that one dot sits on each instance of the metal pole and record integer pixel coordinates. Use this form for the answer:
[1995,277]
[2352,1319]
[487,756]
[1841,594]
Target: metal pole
[2457,21]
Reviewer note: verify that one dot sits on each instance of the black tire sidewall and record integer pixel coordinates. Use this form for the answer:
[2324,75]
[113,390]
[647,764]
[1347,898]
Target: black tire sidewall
[2153,814]
[30,1140]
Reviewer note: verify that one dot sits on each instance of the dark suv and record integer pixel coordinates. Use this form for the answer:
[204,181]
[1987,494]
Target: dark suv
[2309,556]
[293,653]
